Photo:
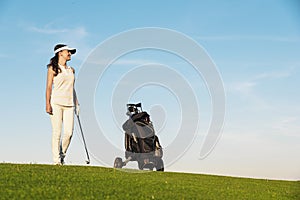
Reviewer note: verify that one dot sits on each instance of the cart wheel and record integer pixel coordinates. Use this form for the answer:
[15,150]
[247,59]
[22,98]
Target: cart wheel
[118,163]
[159,164]
[151,168]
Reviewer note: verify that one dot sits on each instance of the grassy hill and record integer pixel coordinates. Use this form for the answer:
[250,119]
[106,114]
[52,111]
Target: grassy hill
[82,182]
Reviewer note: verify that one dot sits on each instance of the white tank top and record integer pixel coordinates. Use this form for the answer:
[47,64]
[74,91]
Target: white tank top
[63,87]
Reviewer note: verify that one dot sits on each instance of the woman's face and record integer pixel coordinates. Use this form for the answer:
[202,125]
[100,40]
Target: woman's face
[66,54]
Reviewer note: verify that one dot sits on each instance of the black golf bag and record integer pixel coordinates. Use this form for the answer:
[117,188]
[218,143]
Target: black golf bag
[141,143]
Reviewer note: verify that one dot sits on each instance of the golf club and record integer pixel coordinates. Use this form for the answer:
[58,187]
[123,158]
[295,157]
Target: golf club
[87,153]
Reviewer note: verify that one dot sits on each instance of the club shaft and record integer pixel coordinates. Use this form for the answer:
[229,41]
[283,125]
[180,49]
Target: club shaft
[87,153]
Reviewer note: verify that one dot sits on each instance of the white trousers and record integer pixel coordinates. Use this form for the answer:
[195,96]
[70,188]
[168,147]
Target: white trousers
[62,116]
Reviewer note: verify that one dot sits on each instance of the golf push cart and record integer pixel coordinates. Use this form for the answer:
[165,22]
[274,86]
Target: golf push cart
[141,143]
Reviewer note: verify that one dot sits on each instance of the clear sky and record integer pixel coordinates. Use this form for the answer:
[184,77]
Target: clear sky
[255,46]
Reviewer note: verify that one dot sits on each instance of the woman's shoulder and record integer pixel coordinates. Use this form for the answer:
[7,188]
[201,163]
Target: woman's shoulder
[72,69]
[50,69]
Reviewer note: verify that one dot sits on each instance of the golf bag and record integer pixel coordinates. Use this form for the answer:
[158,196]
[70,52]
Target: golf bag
[141,143]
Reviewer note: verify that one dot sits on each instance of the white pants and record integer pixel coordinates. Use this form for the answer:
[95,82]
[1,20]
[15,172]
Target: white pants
[62,115]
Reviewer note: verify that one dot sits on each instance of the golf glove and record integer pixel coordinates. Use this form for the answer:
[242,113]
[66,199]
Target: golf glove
[77,109]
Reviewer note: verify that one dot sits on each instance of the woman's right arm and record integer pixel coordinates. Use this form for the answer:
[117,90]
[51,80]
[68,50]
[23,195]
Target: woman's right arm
[50,75]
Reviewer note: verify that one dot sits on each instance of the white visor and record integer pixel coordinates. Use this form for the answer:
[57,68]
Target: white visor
[72,50]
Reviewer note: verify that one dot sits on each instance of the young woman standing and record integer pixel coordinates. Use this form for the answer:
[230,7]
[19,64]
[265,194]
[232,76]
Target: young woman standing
[61,100]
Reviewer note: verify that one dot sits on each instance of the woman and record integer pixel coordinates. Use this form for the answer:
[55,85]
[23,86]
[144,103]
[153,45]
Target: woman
[61,100]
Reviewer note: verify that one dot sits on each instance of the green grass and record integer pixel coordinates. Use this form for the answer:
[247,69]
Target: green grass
[19,181]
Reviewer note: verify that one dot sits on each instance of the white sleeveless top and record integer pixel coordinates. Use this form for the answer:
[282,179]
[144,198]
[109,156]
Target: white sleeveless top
[63,87]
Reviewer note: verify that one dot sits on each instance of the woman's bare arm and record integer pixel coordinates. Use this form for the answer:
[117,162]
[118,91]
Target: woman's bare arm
[50,75]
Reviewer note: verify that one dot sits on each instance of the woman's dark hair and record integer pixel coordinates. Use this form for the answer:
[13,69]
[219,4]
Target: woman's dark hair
[54,60]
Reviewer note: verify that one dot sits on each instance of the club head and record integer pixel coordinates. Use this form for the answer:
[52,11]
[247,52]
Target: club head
[87,162]
[138,105]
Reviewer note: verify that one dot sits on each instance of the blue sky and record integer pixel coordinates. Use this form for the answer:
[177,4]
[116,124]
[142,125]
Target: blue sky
[255,46]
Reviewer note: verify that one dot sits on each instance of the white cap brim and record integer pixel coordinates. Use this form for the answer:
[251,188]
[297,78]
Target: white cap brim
[72,50]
